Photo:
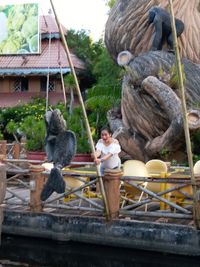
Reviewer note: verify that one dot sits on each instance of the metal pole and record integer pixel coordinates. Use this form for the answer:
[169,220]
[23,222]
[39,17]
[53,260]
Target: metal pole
[83,108]
[185,121]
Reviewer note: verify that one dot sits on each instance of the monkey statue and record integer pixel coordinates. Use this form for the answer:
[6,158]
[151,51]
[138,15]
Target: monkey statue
[160,18]
[60,145]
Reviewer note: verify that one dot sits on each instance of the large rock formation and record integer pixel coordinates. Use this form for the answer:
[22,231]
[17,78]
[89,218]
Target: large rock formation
[151,106]
[149,122]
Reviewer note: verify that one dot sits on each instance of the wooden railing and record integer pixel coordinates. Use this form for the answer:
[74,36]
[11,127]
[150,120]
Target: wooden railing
[13,150]
[138,196]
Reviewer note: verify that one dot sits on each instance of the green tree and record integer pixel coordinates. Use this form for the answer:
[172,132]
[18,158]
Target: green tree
[106,93]
[70,83]
[105,90]
[83,46]
[111,3]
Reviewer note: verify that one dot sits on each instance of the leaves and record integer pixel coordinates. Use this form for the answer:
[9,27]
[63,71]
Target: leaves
[111,3]
[35,132]
[69,80]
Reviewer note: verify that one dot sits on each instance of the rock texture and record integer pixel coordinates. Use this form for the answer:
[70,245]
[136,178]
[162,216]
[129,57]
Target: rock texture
[127,27]
[151,113]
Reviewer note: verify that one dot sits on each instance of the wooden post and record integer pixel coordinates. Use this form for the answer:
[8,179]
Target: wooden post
[16,150]
[3,147]
[82,107]
[112,189]
[196,193]
[37,181]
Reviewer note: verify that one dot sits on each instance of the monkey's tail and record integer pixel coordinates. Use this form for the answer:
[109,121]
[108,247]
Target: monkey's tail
[55,183]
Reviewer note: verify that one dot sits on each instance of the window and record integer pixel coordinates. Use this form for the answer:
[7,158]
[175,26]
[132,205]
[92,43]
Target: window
[43,84]
[20,85]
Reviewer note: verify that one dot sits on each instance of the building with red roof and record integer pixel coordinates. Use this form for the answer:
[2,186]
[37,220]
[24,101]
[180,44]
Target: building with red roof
[25,76]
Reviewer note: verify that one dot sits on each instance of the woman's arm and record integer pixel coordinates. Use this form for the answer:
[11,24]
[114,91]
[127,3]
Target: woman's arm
[97,153]
[104,158]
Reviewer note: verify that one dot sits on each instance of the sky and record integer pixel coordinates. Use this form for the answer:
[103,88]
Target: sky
[89,15]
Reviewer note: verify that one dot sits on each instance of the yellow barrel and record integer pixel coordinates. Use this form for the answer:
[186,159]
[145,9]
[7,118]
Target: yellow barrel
[156,168]
[134,168]
[197,168]
[180,197]
[72,182]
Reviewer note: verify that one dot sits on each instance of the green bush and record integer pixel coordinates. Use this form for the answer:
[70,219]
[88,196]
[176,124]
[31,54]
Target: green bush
[76,124]
[18,113]
[1,136]
[35,132]
[32,128]
[28,120]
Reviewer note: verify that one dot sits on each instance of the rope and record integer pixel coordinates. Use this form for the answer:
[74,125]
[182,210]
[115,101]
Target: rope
[61,76]
[47,85]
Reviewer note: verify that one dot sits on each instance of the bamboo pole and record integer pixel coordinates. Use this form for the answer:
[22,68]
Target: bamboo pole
[184,111]
[83,108]
[63,86]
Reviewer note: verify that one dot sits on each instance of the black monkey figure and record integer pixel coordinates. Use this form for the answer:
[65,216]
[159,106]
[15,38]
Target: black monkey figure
[163,30]
[60,145]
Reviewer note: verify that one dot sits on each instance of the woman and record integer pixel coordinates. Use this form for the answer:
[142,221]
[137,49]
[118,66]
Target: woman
[107,150]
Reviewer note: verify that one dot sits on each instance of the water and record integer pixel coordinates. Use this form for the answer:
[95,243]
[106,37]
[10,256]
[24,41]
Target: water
[29,252]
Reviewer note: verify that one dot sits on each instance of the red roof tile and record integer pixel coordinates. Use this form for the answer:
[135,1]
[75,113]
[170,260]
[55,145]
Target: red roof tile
[43,60]
[48,24]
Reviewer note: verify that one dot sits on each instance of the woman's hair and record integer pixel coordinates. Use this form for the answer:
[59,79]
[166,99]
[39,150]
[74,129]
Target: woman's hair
[106,128]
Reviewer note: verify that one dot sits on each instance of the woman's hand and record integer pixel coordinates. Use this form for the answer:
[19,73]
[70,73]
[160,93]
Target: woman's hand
[97,161]
[96,154]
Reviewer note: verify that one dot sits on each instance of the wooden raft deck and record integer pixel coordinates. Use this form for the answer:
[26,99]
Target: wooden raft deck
[159,221]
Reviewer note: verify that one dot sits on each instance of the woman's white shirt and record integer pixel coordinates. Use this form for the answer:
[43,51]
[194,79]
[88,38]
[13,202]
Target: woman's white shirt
[113,148]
